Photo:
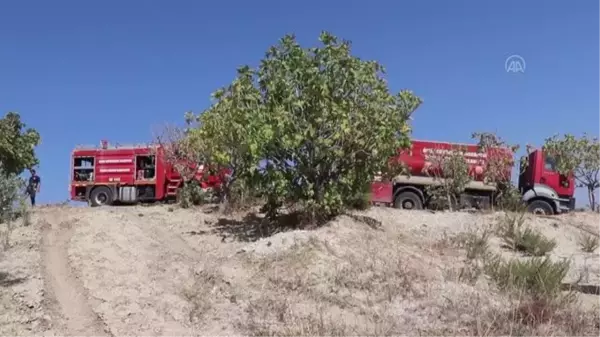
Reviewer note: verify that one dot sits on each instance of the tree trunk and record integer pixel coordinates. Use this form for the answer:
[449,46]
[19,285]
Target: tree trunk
[226,193]
[449,197]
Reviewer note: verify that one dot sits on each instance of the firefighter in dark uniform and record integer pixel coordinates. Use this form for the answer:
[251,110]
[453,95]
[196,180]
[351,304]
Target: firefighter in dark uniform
[34,186]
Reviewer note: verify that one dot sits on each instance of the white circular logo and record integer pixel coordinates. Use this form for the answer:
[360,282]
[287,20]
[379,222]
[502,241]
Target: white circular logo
[514,64]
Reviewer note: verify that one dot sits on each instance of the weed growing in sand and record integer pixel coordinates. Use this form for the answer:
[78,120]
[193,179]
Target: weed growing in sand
[519,237]
[191,194]
[24,212]
[537,284]
[588,242]
[539,277]
[477,244]
[534,287]
[478,254]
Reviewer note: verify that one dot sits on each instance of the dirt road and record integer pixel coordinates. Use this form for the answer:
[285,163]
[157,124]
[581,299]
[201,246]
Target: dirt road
[66,298]
[102,272]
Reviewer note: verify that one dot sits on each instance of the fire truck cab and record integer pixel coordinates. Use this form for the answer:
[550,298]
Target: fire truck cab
[125,174]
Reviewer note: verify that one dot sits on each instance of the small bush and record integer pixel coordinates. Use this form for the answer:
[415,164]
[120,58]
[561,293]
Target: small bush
[360,199]
[534,312]
[11,187]
[588,242]
[22,212]
[524,239]
[536,284]
[452,173]
[533,242]
[191,194]
[477,245]
[510,200]
[239,197]
[538,277]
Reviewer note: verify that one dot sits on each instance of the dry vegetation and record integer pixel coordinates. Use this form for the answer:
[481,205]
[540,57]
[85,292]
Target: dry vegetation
[164,270]
[388,283]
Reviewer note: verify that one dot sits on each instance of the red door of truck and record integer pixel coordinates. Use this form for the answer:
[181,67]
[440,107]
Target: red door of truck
[562,184]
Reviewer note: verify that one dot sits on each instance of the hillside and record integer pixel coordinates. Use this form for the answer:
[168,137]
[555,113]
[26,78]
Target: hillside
[164,271]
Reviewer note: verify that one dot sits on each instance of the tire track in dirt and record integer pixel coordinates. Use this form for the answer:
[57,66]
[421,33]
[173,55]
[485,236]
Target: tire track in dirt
[66,296]
[133,273]
[172,241]
[203,265]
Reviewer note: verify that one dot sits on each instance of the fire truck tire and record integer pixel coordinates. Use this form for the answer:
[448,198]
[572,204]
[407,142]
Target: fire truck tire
[101,196]
[408,200]
[540,207]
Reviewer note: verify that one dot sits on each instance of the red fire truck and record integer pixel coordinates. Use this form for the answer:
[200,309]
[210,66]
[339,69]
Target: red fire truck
[543,189]
[128,174]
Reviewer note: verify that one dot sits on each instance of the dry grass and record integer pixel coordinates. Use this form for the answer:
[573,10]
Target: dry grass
[519,237]
[351,279]
[22,213]
[208,289]
[538,305]
[319,289]
[539,278]
[269,316]
[527,317]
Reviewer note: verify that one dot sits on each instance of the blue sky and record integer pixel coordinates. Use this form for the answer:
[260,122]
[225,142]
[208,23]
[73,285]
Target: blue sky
[81,71]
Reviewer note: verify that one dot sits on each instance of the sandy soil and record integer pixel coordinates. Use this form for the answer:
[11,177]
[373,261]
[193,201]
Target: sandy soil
[161,270]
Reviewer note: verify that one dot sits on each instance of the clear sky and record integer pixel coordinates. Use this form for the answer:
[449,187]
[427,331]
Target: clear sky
[81,71]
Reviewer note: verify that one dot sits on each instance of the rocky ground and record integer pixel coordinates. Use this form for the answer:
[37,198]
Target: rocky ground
[161,270]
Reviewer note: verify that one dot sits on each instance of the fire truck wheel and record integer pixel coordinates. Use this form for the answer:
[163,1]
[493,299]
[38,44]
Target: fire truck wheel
[408,200]
[100,196]
[540,207]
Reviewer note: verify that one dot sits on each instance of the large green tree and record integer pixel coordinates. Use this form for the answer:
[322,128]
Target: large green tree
[581,156]
[17,144]
[17,153]
[321,120]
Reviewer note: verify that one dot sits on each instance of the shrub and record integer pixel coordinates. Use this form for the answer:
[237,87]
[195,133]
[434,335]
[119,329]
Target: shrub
[360,198]
[11,187]
[451,172]
[477,245]
[524,239]
[510,200]
[538,277]
[588,242]
[191,194]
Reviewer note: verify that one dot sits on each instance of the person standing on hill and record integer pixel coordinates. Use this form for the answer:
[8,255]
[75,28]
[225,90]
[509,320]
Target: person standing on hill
[34,186]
